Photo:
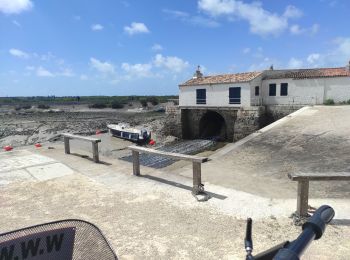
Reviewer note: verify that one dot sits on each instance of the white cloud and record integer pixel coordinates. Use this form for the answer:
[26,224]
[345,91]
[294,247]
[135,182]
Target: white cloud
[83,77]
[66,72]
[103,67]
[18,53]
[137,70]
[315,28]
[202,21]
[30,68]
[136,28]
[261,21]
[42,72]
[193,20]
[16,23]
[313,58]
[96,27]
[295,63]
[297,30]
[264,64]
[15,6]
[47,57]
[337,56]
[246,50]
[157,47]
[343,46]
[292,12]
[172,63]
[217,7]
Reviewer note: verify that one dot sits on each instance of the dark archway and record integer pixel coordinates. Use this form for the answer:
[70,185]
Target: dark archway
[212,125]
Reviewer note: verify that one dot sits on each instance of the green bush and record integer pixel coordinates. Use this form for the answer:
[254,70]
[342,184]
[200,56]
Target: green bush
[143,102]
[116,105]
[329,102]
[153,100]
[98,105]
[28,106]
[43,106]
[348,102]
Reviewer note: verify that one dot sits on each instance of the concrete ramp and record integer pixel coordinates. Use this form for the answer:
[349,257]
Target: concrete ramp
[314,140]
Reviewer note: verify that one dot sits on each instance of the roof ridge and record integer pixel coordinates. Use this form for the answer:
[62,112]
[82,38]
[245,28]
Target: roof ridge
[225,74]
[326,68]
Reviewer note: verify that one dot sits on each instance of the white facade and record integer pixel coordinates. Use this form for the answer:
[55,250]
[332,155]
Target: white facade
[217,95]
[308,91]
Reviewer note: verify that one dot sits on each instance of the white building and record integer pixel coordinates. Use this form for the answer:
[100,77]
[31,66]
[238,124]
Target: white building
[269,87]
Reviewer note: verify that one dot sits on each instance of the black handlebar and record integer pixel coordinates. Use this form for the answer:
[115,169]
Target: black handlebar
[313,228]
[248,241]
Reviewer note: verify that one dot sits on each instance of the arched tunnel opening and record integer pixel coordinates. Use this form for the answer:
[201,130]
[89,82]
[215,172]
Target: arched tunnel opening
[212,126]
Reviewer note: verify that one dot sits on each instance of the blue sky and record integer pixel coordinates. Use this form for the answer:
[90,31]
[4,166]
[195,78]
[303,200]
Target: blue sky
[148,47]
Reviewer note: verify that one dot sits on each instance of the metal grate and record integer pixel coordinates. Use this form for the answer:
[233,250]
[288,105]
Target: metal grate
[60,240]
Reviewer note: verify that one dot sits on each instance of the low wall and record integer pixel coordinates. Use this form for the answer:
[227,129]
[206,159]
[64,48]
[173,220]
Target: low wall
[276,112]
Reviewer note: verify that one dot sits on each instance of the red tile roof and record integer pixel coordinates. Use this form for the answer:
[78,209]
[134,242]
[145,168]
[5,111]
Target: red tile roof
[270,74]
[221,79]
[307,73]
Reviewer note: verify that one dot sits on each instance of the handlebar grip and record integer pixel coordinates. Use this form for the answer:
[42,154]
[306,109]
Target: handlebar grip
[318,221]
[248,242]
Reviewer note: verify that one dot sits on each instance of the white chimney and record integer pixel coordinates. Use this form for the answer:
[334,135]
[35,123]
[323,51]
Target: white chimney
[198,73]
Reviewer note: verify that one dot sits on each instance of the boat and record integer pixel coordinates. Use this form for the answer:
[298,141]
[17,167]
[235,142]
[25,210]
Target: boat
[124,131]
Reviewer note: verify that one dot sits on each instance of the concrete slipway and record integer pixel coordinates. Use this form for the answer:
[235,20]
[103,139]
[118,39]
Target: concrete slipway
[156,217]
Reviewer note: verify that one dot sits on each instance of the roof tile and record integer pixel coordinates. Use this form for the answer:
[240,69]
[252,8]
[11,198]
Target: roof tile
[221,79]
[270,74]
[307,73]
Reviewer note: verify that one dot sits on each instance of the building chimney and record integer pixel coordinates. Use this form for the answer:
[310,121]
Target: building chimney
[198,73]
[271,67]
[348,67]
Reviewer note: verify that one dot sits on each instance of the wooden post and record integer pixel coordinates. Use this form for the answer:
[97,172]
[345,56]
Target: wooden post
[197,177]
[136,163]
[303,197]
[66,145]
[95,152]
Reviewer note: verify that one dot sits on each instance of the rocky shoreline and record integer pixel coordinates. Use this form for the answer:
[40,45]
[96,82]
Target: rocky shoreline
[30,127]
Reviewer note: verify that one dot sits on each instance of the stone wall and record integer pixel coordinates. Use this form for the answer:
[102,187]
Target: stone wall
[248,121]
[185,122]
[173,122]
[276,112]
[239,122]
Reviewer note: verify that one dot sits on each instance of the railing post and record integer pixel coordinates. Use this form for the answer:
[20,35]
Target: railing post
[136,163]
[197,178]
[303,197]
[66,145]
[95,152]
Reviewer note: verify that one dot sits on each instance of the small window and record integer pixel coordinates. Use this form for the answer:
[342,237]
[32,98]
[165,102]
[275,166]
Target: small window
[257,90]
[235,95]
[284,89]
[201,97]
[272,90]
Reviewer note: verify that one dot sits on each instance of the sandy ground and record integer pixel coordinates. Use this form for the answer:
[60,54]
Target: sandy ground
[150,217]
